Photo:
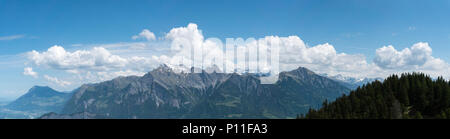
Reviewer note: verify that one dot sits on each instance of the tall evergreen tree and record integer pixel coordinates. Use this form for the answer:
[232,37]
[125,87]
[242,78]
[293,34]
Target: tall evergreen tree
[412,95]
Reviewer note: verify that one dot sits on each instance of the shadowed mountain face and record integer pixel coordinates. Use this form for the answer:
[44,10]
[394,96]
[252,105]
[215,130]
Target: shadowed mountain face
[163,93]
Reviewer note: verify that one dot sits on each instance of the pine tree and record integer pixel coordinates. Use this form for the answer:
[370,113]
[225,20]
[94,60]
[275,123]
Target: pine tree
[418,115]
[408,96]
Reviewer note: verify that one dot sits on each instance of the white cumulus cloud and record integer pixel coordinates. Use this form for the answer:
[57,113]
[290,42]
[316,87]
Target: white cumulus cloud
[57,57]
[417,57]
[322,58]
[29,71]
[145,34]
[293,52]
[96,64]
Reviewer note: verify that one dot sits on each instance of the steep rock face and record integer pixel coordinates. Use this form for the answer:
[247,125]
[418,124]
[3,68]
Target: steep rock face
[162,93]
[240,96]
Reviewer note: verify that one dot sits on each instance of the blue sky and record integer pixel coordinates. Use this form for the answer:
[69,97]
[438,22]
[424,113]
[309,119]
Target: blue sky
[351,27]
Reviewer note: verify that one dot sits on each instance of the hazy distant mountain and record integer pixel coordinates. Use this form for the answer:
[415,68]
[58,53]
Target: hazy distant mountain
[351,82]
[4,101]
[38,100]
[162,93]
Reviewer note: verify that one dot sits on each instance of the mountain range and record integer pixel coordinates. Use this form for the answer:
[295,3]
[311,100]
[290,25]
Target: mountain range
[351,82]
[163,93]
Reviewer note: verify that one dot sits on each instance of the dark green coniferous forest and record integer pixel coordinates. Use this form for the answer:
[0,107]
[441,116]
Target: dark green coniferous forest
[410,96]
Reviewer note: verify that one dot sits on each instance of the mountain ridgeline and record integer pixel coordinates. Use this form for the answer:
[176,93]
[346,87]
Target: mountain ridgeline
[37,101]
[40,98]
[163,93]
[411,96]
[351,82]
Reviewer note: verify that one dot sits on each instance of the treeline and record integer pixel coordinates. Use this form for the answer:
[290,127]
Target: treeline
[411,96]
